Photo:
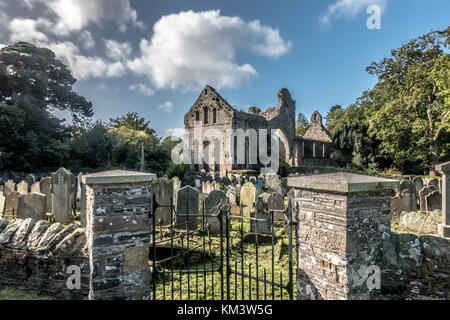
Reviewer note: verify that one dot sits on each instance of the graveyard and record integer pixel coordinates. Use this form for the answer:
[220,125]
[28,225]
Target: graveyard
[208,156]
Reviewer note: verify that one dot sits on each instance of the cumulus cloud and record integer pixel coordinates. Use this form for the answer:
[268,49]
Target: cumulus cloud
[174,132]
[191,49]
[348,9]
[167,107]
[142,88]
[74,15]
[116,50]
[87,40]
[26,30]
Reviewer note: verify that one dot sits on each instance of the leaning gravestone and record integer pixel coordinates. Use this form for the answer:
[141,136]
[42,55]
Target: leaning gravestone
[162,189]
[62,186]
[262,225]
[11,205]
[213,213]
[45,189]
[32,205]
[434,201]
[187,208]
[36,187]
[22,187]
[275,204]
[10,186]
[248,196]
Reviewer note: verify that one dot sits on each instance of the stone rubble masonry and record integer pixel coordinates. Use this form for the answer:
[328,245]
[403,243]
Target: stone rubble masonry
[117,217]
[341,219]
[444,228]
[35,255]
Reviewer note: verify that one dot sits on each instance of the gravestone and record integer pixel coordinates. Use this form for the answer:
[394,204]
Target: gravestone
[10,186]
[213,204]
[2,204]
[262,225]
[433,184]
[62,185]
[252,179]
[418,184]
[248,197]
[198,182]
[187,208]
[272,182]
[162,189]
[275,204]
[434,201]
[22,187]
[176,185]
[260,183]
[407,200]
[226,181]
[444,227]
[397,206]
[45,189]
[30,179]
[11,205]
[32,205]
[423,193]
[36,187]
[231,194]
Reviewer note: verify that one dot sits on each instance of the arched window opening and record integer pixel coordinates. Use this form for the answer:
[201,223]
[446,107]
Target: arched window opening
[206,115]
[215,118]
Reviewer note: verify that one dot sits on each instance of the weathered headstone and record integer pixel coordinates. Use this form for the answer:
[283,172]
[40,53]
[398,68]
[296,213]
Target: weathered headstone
[434,201]
[32,205]
[10,186]
[272,182]
[36,187]
[162,189]
[213,213]
[397,206]
[11,205]
[176,185]
[30,179]
[275,204]
[262,225]
[418,184]
[22,187]
[433,184]
[82,204]
[2,204]
[45,189]
[231,194]
[248,197]
[187,208]
[444,227]
[62,186]
[407,200]
[423,193]
[260,183]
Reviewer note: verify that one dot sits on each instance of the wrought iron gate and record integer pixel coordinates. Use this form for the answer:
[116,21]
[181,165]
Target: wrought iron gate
[195,263]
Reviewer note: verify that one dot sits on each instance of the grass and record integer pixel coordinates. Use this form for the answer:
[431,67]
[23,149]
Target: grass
[8,293]
[208,285]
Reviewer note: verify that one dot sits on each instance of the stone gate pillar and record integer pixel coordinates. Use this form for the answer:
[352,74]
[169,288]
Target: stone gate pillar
[341,219]
[444,228]
[118,233]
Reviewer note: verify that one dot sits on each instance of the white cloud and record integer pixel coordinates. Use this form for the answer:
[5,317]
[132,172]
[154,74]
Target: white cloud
[116,50]
[167,107]
[26,30]
[142,88]
[348,9]
[190,49]
[174,132]
[74,15]
[116,69]
[86,40]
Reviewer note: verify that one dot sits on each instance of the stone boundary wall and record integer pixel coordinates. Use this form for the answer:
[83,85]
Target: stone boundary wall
[35,255]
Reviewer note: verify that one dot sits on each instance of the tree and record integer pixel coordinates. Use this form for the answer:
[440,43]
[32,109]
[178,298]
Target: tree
[302,125]
[32,84]
[332,115]
[413,83]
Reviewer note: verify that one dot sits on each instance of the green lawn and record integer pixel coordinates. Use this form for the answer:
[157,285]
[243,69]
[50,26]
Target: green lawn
[8,293]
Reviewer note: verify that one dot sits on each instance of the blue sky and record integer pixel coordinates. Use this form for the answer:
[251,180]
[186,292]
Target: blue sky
[153,57]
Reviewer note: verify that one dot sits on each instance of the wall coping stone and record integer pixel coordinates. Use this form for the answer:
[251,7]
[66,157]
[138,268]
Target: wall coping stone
[118,177]
[443,167]
[343,182]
